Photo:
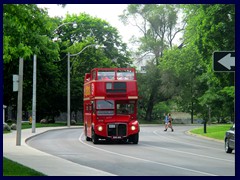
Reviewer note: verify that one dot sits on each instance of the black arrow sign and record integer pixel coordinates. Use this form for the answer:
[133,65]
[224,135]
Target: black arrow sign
[224,61]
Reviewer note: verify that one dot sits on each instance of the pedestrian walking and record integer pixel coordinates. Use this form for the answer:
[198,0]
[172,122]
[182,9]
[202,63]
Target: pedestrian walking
[170,121]
[30,119]
[166,121]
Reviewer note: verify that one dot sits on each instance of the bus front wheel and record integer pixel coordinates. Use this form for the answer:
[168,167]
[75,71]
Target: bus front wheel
[134,138]
[95,138]
[87,138]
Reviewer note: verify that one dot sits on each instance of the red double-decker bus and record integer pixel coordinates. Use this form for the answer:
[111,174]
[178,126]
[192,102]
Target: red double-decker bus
[110,105]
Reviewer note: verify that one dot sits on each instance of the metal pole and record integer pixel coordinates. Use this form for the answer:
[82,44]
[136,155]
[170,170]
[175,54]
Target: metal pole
[34,93]
[68,95]
[68,79]
[205,126]
[209,115]
[19,106]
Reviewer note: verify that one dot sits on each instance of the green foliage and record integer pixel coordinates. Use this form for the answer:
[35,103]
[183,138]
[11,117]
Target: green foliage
[185,73]
[28,30]
[39,125]
[90,31]
[198,87]
[181,74]
[22,25]
[25,28]
[228,91]
[214,32]
[161,108]
[158,24]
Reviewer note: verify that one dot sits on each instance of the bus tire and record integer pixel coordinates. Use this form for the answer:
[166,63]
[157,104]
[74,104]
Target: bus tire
[227,148]
[87,138]
[134,138]
[95,138]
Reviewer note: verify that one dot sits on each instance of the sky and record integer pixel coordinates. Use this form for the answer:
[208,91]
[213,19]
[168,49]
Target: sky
[108,12]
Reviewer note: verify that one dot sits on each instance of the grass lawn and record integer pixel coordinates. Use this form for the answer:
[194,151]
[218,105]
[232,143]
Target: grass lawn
[38,125]
[213,131]
[11,168]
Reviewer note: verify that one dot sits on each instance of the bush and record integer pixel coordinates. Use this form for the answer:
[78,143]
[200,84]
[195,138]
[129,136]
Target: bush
[6,127]
[10,121]
[51,121]
[73,122]
[13,126]
[44,121]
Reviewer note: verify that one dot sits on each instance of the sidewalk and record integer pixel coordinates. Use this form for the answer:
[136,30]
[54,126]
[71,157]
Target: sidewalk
[40,161]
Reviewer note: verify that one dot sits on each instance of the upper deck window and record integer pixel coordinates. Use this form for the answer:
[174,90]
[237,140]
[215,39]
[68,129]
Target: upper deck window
[114,74]
[125,75]
[106,75]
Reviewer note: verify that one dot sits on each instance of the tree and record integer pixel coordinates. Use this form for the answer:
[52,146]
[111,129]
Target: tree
[90,31]
[186,75]
[212,28]
[180,71]
[198,88]
[25,30]
[29,30]
[158,24]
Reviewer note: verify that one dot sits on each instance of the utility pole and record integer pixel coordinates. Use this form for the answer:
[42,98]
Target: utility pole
[19,106]
[209,115]
[68,93]
[34,93]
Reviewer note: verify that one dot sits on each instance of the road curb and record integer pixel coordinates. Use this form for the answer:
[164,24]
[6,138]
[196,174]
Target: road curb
[203,137]
[55,129]
[42,161]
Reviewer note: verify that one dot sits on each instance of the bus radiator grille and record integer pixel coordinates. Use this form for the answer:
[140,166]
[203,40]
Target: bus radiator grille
[117,130]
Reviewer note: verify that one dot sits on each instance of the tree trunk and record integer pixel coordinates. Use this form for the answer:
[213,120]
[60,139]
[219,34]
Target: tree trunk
[192,113]
[150,106]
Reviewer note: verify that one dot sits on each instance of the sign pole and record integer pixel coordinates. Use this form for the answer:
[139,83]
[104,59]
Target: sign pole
[34,94]
[19,106]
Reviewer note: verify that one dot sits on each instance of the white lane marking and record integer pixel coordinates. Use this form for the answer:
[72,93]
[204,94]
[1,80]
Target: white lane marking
[146,160]
[188,153]
[172,139]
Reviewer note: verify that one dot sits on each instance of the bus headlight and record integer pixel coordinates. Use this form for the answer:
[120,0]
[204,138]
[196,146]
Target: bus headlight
[133,128]
[100,128]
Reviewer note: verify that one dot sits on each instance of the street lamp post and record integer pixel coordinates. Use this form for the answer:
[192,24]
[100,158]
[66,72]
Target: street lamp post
[73,23]
[68,76]
[34,81]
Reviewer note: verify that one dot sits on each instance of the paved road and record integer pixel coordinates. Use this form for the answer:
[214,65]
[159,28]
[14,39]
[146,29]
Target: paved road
[158,153]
